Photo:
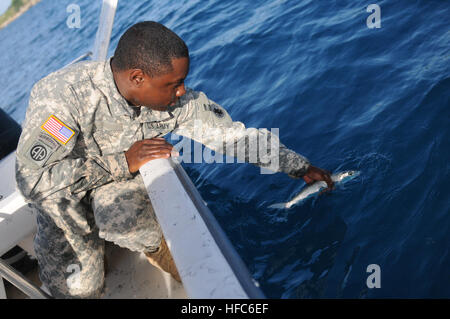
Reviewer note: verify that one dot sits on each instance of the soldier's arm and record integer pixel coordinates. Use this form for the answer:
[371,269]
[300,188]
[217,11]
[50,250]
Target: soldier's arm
[46,162]
[203,120]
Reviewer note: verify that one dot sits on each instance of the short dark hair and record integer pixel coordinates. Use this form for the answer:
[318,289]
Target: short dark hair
[149,46]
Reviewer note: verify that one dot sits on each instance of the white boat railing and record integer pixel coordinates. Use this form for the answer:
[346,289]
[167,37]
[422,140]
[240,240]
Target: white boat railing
[207,262]
[104,30]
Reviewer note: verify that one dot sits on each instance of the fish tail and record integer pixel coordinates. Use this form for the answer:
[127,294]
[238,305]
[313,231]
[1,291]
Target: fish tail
[278,206]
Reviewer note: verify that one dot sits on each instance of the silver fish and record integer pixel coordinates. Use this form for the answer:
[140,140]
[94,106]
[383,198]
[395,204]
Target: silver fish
[315,188]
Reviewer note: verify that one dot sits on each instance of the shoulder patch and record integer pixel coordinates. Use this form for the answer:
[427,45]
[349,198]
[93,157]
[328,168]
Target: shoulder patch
[39,149]
[215,109]
[38,152]
[58,130]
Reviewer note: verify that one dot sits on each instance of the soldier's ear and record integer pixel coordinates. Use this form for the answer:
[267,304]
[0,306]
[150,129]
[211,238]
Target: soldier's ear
[136,77]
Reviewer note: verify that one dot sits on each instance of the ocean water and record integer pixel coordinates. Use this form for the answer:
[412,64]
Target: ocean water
[341,94]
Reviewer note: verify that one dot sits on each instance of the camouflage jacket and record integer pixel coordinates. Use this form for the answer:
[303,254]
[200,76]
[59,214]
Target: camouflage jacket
[78,127]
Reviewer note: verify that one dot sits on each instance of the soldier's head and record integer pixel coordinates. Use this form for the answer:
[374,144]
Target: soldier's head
[150,64]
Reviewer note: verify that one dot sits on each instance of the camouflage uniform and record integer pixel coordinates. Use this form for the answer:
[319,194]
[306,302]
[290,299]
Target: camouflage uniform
[77,178]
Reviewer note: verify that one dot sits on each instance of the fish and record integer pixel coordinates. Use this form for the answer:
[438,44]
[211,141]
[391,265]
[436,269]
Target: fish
[315,187]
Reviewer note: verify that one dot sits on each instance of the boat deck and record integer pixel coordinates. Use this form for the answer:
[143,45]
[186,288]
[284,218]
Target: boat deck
[128,276]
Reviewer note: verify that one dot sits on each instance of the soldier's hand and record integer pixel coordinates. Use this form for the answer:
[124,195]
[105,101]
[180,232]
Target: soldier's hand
[146,150]
[317,174]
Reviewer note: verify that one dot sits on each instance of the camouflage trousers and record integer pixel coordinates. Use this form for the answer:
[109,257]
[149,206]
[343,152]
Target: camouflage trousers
[70,237]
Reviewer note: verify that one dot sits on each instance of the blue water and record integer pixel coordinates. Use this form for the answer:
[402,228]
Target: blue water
[343,95]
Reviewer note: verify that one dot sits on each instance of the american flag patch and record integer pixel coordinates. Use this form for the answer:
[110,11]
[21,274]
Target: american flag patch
[61,132]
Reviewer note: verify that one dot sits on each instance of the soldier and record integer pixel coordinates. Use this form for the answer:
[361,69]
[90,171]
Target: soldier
[89,128]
